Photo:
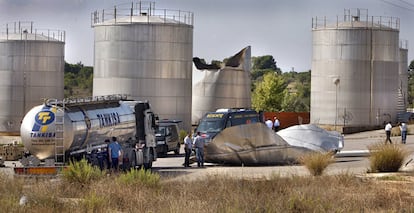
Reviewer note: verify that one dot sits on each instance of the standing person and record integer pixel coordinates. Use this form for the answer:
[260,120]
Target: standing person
[276,124]
[115,151]
[403,128]
[199,145]
[100,155]
[269,123]
[188,144]
[108,162]
[388,128]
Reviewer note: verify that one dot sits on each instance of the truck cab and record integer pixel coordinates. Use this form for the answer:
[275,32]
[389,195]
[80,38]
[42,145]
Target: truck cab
[213,123]
[167,137]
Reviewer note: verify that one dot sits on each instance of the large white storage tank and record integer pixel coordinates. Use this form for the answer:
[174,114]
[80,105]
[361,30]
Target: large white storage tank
[355,65]
[145,53]
[31,69]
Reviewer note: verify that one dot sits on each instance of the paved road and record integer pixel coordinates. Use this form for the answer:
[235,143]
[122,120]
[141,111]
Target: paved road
[170,167]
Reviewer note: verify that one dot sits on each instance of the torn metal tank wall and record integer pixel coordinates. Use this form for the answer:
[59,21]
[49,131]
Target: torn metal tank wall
[31,69]
[225,86]
[145,53]
[355,65]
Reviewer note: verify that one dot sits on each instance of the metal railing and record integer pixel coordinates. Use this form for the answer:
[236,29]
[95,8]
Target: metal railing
[125,13]
[24,30]
[404,44]
[356,19]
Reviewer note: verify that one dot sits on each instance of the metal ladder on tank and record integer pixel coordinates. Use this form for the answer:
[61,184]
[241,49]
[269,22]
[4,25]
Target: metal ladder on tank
[59,134]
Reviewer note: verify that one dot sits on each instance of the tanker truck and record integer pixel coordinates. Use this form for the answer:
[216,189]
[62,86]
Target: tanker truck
[71,129]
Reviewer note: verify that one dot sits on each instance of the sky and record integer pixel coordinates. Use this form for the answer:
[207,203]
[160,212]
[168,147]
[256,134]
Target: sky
[281,28]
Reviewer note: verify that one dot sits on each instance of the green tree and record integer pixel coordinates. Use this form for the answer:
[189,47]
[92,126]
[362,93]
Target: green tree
[410,88]
[78,80]
[262,65]
[269,93]
[264,62]
[297,96]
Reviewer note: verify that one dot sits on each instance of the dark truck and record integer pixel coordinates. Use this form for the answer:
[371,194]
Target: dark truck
[167,137]
[214,122]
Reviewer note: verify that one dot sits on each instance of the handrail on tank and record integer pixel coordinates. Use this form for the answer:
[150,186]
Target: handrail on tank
[83,100]
[124,13]
[404,44]
[355,16]
[26,31]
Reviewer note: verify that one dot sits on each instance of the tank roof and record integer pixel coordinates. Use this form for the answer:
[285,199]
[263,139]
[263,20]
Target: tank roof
[26,31]
[356,18]
[141,12]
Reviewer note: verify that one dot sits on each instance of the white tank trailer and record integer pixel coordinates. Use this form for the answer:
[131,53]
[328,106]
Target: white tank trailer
[146,53]
[76,128]
[355,69]
[31,69]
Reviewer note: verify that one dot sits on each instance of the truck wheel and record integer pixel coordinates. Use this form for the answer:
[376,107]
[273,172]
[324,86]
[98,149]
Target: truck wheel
[177,150]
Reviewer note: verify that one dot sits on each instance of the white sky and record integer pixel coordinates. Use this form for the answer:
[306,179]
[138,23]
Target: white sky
[281,28]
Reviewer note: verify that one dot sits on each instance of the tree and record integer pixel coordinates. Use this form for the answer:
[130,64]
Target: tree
[410,88]
[262,65]
[264,62]
[78,80]
[269,93]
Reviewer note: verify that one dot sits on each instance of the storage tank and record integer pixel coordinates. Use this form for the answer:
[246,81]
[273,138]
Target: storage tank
[355,65]
[224,86]
[403,72]
[31,69]
[145,53]
[402,115]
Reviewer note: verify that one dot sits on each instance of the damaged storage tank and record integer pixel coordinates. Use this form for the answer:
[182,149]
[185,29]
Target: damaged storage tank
[355,65]
[145,53]
[31,69]
[225,86]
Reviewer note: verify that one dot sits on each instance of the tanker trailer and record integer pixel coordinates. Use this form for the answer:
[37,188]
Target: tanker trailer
[60,130]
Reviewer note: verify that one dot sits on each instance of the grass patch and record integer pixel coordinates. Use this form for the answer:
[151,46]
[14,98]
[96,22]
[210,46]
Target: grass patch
[81,173]
[141,176]
[386,157]
[218,193]
[391,178]
[316,162]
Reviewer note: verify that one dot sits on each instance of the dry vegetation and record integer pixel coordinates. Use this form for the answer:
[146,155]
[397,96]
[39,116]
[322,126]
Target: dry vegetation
[83,188]
[316,162]
[386,157]
[339,193]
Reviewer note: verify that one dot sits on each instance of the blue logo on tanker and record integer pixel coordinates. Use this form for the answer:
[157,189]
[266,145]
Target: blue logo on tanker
[41,124]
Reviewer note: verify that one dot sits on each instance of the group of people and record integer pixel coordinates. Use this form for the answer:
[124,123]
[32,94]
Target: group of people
[198,145]
[275,124]
[403,129]
[112,155]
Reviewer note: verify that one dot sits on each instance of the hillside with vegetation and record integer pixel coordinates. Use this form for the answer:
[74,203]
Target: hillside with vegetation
[78,80]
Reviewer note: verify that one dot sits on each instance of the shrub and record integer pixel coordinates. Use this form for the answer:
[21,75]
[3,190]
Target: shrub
[316,162]
[182,135]
[386,157]
[82,173]
[142,176]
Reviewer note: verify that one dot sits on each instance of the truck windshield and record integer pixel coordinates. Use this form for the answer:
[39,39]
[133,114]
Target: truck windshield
[211,125]
[160,131]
